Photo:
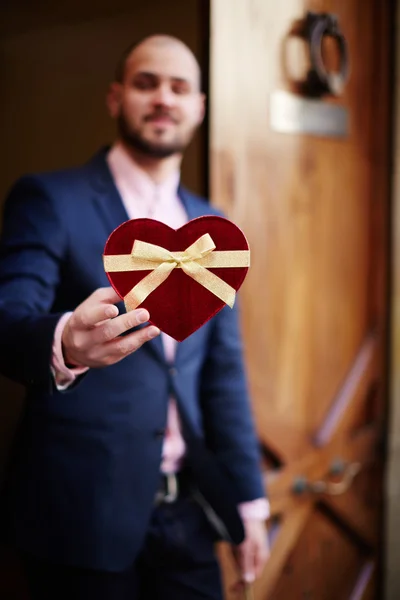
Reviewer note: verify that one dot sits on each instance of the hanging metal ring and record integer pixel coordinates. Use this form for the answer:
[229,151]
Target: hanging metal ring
[320,81]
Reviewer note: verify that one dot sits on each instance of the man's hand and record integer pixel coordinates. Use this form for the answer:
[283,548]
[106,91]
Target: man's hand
[253,553]
[90,336]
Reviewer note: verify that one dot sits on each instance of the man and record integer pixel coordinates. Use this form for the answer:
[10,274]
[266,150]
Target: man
[133,455]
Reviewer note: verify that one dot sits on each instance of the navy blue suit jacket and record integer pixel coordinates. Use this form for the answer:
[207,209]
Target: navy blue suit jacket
[86,463]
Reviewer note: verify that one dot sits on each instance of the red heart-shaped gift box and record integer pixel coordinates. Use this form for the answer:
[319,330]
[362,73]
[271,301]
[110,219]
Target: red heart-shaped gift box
[180,305]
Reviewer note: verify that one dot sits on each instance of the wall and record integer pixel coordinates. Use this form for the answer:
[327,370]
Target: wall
[55,70]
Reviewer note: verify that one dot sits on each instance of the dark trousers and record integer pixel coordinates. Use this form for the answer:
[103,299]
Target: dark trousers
[177,562]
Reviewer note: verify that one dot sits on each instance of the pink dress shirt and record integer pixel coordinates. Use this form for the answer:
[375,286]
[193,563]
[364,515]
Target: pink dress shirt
[144,198]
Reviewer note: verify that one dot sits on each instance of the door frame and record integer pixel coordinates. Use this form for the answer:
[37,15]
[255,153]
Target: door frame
[392,488]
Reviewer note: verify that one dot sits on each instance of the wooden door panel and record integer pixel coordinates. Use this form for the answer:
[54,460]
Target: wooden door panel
[304,575]
[309,246]
[314,303]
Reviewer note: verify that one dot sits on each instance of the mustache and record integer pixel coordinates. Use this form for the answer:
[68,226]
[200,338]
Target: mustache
[161,113]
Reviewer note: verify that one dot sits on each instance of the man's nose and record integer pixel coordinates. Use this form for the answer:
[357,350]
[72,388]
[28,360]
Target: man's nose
[164,96]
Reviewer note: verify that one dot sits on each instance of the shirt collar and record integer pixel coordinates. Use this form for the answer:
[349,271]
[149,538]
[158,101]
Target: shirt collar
[126,171]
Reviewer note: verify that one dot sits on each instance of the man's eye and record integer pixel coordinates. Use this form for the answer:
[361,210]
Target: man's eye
[143,84]
[180,89]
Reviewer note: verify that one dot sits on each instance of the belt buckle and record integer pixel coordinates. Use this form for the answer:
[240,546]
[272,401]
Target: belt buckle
[172,487]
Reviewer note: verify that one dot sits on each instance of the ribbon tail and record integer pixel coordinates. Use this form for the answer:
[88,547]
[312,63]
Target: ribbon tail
[147,285]
[211,282]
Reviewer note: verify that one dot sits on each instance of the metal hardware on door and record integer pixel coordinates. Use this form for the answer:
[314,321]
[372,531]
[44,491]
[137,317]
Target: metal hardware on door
[314,28]
[331,488]
[300,486]
[337,467]
[320,79]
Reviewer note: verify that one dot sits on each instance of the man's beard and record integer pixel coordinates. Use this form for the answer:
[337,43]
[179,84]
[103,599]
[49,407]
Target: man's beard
[136,141]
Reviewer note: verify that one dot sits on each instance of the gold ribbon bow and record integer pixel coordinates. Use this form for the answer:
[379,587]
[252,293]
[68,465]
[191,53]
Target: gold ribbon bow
[194,261]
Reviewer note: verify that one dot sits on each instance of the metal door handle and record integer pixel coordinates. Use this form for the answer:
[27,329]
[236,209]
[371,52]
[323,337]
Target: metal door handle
[331,488]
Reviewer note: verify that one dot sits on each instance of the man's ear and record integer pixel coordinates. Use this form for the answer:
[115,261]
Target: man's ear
[113,99]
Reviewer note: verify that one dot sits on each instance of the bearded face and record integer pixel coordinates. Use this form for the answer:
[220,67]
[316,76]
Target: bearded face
[158,105]
[158,135]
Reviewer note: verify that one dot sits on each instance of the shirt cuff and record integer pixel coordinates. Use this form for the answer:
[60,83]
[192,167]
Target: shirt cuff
[256,509]
[63,376]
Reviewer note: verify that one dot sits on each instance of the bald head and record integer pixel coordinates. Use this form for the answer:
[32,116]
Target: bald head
[159,42]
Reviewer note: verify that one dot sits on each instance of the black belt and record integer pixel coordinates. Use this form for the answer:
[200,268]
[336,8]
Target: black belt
[173,486]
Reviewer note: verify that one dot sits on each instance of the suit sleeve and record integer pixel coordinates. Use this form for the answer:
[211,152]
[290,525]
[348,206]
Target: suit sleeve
[226,407]
[32,248]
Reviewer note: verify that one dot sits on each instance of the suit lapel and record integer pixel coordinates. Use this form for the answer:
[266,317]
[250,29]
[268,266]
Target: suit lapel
[106,196]
[111,208]
[193,208]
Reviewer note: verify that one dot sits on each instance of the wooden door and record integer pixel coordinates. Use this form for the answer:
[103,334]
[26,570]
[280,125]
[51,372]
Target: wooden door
[314,306]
